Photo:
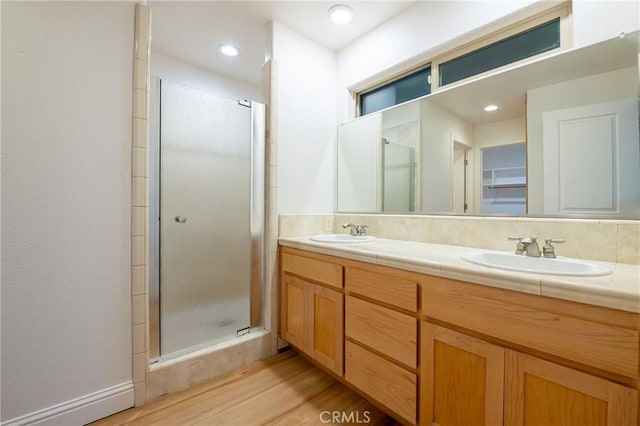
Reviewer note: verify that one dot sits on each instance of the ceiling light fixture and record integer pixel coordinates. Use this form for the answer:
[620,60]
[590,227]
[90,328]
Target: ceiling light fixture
[341,13]
[229,50]
[490,108]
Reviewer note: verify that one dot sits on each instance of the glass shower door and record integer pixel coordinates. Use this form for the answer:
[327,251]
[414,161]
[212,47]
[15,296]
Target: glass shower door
[205,215]
[398,177]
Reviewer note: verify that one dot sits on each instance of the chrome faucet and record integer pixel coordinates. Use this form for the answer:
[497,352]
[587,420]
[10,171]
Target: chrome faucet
[527,246]
[356,230]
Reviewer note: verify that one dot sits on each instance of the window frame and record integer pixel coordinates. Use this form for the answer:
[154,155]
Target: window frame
[562,12]
[389,82]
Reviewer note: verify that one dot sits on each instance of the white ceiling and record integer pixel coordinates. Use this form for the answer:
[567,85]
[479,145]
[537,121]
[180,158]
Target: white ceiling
[191,31]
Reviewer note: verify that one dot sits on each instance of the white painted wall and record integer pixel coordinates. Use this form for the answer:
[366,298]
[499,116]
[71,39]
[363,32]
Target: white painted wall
[306,123]
[66,205]
[595,21]
[438,126]
[620,84]
[173,69]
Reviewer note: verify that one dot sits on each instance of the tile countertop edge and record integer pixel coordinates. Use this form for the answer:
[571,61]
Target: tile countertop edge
[616,291]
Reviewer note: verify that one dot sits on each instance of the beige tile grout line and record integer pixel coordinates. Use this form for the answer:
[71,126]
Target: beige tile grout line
[139,208]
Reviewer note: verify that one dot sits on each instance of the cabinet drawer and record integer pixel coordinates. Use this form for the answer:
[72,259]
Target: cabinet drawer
[396,291]
[382,380]
[313,269]
[606,347]
[383,329]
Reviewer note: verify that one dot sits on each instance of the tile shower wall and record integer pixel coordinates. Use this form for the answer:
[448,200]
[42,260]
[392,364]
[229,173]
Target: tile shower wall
[606,240]
[270,97]
[139,202]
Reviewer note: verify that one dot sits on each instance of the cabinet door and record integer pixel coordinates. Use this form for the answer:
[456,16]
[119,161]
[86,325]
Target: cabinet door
[326,327]
[462,379]
[539,392]
[294,314]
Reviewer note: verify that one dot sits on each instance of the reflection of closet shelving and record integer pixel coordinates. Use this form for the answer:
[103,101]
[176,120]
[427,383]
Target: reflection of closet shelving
[504,177]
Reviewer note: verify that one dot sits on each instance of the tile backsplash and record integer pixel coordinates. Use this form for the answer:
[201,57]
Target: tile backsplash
[606,240]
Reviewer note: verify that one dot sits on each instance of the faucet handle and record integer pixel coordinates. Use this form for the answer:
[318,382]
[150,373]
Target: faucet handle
[548,249]
[554,241]
[363,230]
[520,248]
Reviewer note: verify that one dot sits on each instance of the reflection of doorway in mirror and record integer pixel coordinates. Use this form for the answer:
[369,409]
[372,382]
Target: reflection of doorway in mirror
[460,188]
[504,181]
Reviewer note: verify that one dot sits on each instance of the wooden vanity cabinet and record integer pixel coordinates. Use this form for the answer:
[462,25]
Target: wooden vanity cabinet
[466,380]
[487,356]
[312,309]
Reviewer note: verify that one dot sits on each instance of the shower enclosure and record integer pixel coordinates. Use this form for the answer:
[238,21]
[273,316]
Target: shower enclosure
[206,218]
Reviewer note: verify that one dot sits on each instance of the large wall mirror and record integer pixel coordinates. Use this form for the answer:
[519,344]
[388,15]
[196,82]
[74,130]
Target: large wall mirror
[564,140]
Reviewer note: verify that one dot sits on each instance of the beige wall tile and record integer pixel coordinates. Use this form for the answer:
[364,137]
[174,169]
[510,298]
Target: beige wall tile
[137,280]
[140,394]
[140,74]
[139,201]
[293,225]
[139,132]
[217,363]
[139,162]
[586,239]
[272,176]
[142,18]
[139,192]
[164,380]
[139,338]
[260,348]
[138,250]
[394,227]
[139,367]
[138,221]
[435,230]
[139,309]
[488,233]
[629,243]
[140,103]
[272,152]
[141,45]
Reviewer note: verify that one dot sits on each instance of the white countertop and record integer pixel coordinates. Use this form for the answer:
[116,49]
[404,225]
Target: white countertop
[618,290]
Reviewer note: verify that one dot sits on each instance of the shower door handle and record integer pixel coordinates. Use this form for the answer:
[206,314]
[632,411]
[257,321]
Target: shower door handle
[180,219]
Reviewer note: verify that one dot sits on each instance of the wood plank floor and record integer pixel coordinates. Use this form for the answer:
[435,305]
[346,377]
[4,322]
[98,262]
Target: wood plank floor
[282,390]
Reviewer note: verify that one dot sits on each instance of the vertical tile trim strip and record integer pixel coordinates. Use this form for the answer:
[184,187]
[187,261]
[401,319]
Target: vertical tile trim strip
[139,202]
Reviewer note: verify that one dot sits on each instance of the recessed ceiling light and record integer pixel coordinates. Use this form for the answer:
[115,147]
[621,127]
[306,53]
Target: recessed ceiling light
[229,50]
[490,108]
[341,14]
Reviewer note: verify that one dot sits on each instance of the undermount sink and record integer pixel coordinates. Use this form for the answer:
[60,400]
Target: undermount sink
[538,265]
[342,238]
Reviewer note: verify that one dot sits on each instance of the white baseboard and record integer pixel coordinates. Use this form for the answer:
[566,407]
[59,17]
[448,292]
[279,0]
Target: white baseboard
[82,410]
